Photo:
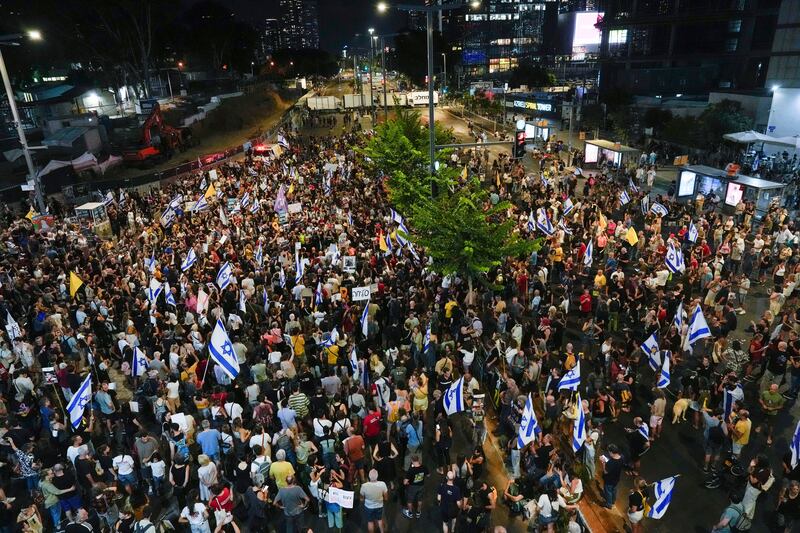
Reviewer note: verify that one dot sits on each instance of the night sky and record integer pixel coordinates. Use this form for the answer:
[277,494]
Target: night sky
[339,20]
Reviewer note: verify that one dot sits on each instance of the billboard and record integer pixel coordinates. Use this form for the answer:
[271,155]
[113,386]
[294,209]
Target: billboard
[586,37]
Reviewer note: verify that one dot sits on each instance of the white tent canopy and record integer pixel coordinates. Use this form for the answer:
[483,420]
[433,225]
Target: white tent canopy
[749,137]
[794,142]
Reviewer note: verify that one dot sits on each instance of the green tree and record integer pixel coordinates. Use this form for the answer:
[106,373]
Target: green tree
[657,119]
[532,76]
[721,118]
[465,234]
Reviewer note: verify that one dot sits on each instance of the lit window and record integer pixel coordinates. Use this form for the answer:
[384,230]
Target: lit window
[618,37]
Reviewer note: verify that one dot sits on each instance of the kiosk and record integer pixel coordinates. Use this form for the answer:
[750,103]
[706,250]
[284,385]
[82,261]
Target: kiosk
[730,188]
[93,216]
[617,155]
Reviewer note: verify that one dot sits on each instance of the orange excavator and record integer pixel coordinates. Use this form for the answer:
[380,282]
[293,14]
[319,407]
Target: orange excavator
[158,142]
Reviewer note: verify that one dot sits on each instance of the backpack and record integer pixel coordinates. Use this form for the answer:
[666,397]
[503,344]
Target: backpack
[716,435]
[742,523]
[261,474]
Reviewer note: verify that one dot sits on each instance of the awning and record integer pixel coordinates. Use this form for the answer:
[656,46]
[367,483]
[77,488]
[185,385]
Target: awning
[749,137]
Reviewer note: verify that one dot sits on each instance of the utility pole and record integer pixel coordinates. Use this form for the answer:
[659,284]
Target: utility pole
[383,69]
[371,64]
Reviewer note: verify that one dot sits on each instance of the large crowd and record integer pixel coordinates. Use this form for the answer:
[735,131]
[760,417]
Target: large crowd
[327,410]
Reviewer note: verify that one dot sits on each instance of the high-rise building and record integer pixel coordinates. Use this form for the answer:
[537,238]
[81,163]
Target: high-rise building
[270,37]
[784,66]
[416,21]
[299,24]
[677,46]
[502,34]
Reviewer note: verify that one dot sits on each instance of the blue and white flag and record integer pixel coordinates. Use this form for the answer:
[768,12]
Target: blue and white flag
[282,278]
[698,327]
[365,319]
[632,186]
[266,300]
[200,205]
[624,198]
[221,350]
[663,494]
[242,301]
[795,445]
[728,399]
[150,264]
[77,405]
[353,360]
[389,247]
[259,256]
[663,377]
[528,425]
[396,217]
[543,222]
[318,294]
[401,234]
[644,431]
[678,320]
[531,222]
[333,337]
[223,217]
[572,379]
[579,427]
[545,183]
[154,290]
[224,276]
[191,259]
[568,206]
[167,217]
[454,398]
[12,327]
[674,260]
[169,296]
[659,209]
[281,204]
[349,218]
[203,183]
[563,226]
[645,204]
[139,365]
[587,256]
[282,141]
[651,349]
[256,207]
[756,162]
[326,185]
[245,201]
[176,201]
[299,267]
[693,233]
[109,198]
[427,343]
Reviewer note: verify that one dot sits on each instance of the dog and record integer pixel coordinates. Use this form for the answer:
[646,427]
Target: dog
[679,410]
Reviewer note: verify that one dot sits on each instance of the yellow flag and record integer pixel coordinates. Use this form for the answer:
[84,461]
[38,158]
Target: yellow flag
[464,173]
[631,236]
[31,214]
[382,243]
[74,283]
[601,221]
[210,192]
[291,189]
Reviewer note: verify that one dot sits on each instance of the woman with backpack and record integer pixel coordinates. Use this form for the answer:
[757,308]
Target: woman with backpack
[637,501]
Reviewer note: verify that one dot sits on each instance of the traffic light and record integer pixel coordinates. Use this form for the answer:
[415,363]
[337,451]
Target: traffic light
[519,144]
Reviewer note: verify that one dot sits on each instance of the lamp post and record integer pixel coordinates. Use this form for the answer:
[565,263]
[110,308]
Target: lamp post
[444,70]
[371,63]
[430,8]
[13,40]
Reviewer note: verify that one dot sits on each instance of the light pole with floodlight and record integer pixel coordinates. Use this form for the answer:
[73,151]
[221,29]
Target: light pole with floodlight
[13,40]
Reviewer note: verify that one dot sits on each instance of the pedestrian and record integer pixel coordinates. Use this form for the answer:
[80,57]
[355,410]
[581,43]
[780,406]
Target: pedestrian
[613,465]
[293,501]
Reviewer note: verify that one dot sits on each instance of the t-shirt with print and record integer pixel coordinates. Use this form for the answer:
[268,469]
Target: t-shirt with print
[416,475]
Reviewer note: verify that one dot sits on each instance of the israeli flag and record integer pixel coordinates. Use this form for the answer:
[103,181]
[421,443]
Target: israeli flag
[331,340]
[326,185]
[698,327]
[256,207]
[427,344]
[663,378]
[191,259]
[365,319]
[572,379]
[354,363]
[169,296]
[587,256]
[154,290]
[663,494]
[528,425]
[389,247]
[795,445]
[266,300]
[568,206]
[12,327]
[402,230]
[396,217]
[242,301]
[109,198]
[624,198]
[644,431]
[648,346]
[349,218]
[282,278]
[203,183]
[579,427]
[454,398]
[545,183]
[77,405]
[413,252]
[299,268]
[678,320]
[674,260]
[150,264]
[693,233]
[139,362]
[200,205]
[756,162]
[176,201]
[531,222]
[659,209]
[728,400]
[645,204]
[632,186]
[224,276]
[543,223]
[259,256]
[221,350]
[318,294]
[282,141]
[245,201]
[563,226]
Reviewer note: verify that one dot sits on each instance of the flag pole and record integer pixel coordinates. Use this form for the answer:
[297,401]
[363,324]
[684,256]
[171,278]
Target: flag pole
[60,403]
[205,372]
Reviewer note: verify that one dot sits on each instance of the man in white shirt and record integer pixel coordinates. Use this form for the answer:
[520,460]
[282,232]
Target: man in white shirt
[123,465]
[234,410]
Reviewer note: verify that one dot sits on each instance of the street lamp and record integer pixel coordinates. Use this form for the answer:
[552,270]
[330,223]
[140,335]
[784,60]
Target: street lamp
[429,9]
[13,40]
[444,70]
[252,64]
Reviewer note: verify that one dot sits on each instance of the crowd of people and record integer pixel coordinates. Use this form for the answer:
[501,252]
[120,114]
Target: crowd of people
[336,409]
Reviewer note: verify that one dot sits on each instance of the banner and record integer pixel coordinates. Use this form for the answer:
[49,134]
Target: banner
[361,293]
